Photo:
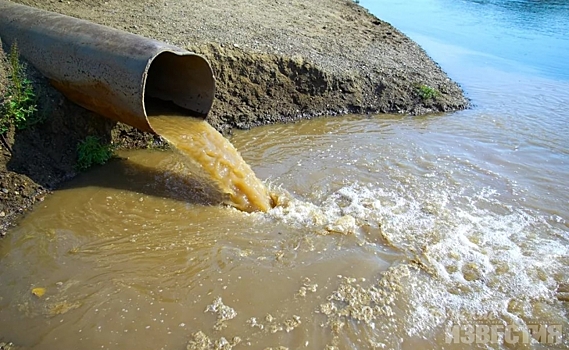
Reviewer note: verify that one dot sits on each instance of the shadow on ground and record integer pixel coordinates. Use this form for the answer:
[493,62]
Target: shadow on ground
[123,174]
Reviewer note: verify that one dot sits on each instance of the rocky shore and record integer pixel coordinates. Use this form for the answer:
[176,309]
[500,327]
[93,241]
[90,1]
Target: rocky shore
[274,60]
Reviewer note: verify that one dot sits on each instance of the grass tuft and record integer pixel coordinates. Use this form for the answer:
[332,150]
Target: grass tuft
[426,92]
[19,106]
[92,151]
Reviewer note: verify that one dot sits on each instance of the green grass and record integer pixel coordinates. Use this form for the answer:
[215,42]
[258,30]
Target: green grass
[92,151]
[426,92]
[19,101]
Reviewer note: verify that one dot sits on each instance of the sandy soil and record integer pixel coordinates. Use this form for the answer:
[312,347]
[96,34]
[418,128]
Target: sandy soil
[275,61]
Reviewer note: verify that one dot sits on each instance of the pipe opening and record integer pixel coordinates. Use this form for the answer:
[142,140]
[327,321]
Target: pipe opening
[182,80]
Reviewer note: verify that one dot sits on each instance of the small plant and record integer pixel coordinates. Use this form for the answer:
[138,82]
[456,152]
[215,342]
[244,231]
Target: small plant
[19,103]
[92,151]
[426,92]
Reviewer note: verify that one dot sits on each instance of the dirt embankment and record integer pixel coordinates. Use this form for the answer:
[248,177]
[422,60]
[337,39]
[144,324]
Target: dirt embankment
[275,61]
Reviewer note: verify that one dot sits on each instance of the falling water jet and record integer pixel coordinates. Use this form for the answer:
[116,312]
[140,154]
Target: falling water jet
[214,156]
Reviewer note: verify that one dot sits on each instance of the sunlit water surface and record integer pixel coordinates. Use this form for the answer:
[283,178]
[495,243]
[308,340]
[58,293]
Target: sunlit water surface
[390,229]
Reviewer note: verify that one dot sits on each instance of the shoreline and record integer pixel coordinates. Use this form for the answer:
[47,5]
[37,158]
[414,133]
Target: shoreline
[274,63]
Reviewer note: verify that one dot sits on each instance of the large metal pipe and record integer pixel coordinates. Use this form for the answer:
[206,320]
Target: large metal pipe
[109,71]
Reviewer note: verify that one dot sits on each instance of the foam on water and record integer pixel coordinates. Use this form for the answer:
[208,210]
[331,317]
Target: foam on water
[391,263]
[467,256]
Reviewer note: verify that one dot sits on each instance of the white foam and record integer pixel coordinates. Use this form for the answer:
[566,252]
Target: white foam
[479,253]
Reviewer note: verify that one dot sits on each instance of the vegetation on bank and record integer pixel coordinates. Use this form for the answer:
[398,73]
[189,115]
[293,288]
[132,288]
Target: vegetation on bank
[91,151]
[18,107]
[426,92]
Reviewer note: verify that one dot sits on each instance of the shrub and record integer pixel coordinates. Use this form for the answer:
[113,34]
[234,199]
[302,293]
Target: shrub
[92,151]
[19,102]
[426,92]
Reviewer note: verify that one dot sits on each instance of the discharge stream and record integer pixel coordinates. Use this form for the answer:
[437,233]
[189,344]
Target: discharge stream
[215,160]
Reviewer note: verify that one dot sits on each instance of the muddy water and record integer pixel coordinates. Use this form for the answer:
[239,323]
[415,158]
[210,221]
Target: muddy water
[126,262]
[379,241]
[390,230]
[214,160]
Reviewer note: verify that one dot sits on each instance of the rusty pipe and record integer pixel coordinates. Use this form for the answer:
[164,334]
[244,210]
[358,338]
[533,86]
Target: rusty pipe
[108,71]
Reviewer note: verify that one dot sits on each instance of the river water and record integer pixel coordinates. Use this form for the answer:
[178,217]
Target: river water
[391,232]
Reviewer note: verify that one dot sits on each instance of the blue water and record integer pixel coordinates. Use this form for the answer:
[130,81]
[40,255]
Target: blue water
[512,60]
[514,35]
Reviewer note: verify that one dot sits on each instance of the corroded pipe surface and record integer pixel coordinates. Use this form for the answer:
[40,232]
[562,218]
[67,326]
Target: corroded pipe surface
[109,71]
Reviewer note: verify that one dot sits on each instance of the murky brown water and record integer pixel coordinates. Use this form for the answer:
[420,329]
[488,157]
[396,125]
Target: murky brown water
[128,263]
[368,247]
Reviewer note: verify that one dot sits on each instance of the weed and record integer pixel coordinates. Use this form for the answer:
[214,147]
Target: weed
[426,92]
[92,151]
[19,103]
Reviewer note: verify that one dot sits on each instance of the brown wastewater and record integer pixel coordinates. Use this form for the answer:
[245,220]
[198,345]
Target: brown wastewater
[387,231]
[377,242]
[216,164]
